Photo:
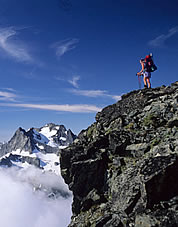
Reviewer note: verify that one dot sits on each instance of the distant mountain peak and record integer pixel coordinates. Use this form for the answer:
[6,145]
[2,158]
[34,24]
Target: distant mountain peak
[28,146]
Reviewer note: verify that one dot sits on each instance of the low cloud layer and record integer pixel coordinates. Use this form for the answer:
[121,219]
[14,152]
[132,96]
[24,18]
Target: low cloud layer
[22,206]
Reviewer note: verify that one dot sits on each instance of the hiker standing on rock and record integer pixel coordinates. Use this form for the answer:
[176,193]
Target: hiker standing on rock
[148,66]
[146,74]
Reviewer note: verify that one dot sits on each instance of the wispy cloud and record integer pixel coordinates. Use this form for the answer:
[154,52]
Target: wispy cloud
[89,93]
[95,93]
[74,81]
[12,48]
[64,46]
[9,89]
[160,40]
[7,96]
[64,108]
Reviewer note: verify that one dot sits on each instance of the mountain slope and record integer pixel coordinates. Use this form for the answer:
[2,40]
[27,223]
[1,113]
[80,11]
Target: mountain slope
[123,168]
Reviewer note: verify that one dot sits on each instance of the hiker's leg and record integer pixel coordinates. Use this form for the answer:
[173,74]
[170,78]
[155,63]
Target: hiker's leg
[148,82]
[144,80]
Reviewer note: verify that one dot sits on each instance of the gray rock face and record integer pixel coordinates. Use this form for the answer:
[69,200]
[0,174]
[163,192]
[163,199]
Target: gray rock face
[20,140]
[123,169]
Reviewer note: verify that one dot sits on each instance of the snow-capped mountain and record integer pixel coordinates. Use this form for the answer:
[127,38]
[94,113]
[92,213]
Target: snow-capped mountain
[38,148]
[48,139]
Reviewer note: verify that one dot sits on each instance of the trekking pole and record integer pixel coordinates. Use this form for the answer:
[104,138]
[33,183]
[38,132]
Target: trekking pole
[139,81]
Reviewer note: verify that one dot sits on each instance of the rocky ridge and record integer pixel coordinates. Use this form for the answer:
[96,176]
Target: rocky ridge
[123,169]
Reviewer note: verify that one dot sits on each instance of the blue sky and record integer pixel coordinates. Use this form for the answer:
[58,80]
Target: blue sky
[62,61]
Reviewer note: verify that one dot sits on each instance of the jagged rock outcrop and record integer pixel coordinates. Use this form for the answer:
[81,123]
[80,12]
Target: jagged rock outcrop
[21,140]
[123,169]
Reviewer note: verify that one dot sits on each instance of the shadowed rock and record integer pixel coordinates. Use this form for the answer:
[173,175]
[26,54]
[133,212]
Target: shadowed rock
[123,169]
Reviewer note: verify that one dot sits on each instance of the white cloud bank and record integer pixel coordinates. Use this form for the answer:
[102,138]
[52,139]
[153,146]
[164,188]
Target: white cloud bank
[65,108]
[22,206]
[64,46]
[12,48]
[160,40]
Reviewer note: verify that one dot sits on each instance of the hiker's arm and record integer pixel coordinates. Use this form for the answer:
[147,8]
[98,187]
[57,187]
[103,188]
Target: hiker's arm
[142,68]
[139,73]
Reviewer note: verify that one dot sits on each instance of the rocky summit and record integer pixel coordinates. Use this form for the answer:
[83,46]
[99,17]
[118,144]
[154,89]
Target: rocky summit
[123,170]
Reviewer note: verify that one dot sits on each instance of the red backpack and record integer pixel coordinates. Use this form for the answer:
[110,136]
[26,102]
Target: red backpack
[149,64]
